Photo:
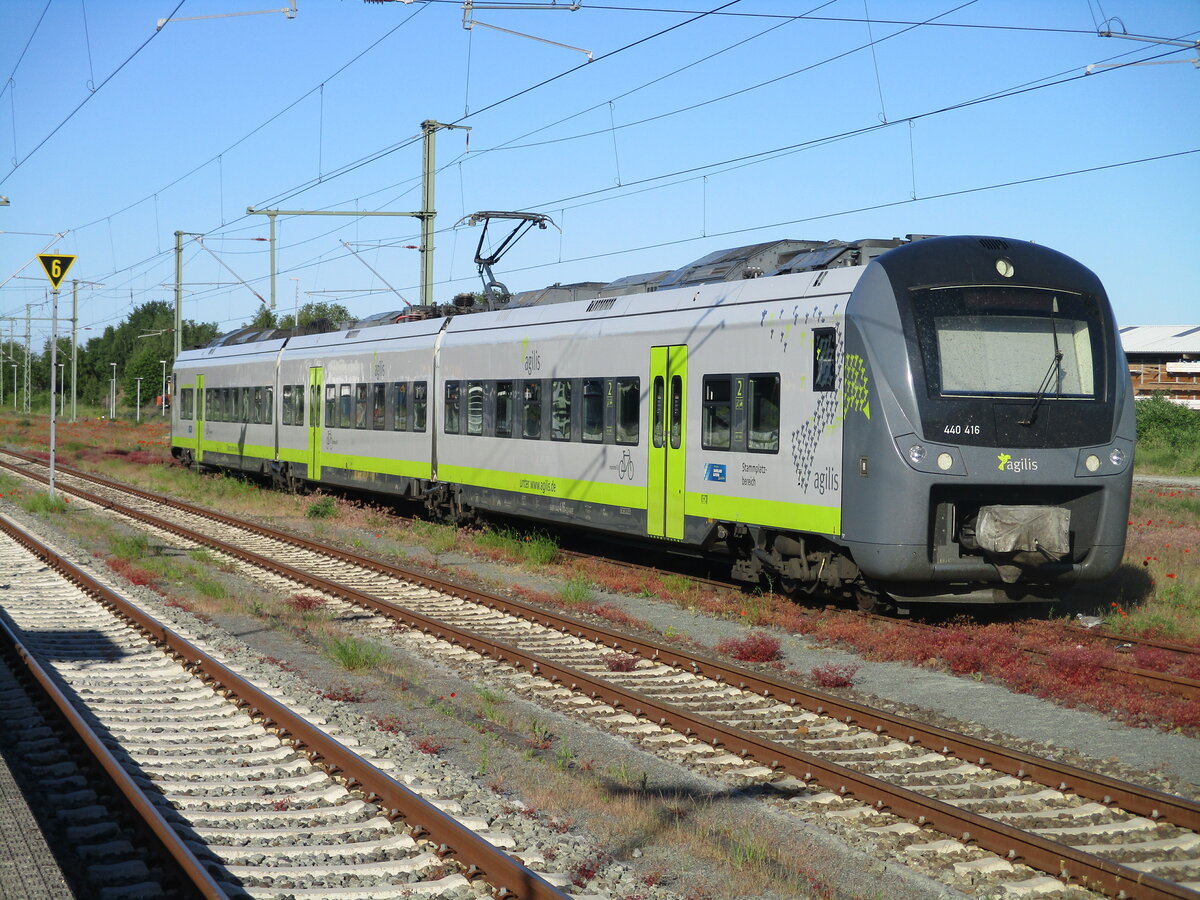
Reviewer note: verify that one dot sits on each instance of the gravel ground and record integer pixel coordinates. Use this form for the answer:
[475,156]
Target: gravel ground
[506,767]
[526,792]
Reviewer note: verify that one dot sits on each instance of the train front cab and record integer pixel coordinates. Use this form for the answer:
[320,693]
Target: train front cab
[996,462]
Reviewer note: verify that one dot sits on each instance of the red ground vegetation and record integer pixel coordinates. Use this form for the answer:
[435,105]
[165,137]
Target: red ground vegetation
[758,646]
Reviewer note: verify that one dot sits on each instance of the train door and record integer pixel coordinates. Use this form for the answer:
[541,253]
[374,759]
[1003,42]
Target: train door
[201,412]
[668,441]
[316,384]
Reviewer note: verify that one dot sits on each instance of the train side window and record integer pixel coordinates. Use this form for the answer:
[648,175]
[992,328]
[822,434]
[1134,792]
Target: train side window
[345,406]
[659,409]
[268,404]
[331,406]
[718,409]
[224,405]
[185,403]
[629,395]
[824,359]
[298,414]
[362,412]
[676,411]
[258,415]
[245,404]
[378,405]
[474,407]
[593,410]
[532,407]
[451,414]
[764,414]
[209,405]
[286,415]
[560,410]
[504,405]
[400,398]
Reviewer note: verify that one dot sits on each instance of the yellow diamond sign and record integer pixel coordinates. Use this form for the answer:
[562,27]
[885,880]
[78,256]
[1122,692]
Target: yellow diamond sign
[56,267]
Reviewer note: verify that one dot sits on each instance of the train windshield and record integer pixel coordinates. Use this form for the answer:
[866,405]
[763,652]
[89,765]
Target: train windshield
[997,341]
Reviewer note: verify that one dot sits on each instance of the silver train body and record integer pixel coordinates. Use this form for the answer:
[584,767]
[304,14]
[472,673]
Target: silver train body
[950,422]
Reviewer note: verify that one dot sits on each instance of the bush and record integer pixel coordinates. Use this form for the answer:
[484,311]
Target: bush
[1161,423]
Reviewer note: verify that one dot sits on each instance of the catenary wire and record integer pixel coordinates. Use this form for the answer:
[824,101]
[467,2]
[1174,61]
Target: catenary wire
[88,97]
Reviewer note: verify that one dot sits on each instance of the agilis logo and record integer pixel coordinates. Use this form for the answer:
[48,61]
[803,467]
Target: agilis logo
[1008,464]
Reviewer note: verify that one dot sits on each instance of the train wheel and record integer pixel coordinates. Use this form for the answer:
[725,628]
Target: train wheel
[869,601]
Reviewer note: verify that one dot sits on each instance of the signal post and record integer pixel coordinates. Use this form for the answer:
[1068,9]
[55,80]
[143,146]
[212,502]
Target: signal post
[56,267]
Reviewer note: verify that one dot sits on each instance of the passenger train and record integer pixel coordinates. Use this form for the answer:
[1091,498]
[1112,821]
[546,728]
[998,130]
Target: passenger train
[949,420]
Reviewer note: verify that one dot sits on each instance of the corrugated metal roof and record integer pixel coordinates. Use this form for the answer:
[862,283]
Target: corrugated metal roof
[1161,339]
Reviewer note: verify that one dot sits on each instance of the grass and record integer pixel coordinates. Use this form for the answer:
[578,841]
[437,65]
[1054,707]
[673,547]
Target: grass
[531,548]
[130,546]
[576,592]
[1157,590]
[1168,437]
[41,502]
[354,655]
[620,807]
[434,536]
[322,508]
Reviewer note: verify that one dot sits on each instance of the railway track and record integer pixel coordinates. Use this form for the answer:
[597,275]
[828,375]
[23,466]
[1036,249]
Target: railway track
[1003,816]
[1073,635]
[248,796]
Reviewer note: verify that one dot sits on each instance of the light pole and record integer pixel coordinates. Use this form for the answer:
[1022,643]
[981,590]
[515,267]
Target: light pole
[139,398]
[163,398]
[112,393]
[14,385]
[62,391]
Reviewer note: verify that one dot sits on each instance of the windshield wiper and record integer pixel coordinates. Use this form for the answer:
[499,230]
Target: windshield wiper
[1052,372]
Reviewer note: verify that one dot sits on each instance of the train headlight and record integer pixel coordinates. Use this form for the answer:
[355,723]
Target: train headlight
[1092,462]
[945,462]
[916,453]
[1117,457]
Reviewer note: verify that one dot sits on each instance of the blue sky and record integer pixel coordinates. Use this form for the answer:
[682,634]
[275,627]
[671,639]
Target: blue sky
[687,133]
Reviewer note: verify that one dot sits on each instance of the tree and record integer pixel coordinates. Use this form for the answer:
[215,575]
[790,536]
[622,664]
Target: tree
[312,312]
[264,318]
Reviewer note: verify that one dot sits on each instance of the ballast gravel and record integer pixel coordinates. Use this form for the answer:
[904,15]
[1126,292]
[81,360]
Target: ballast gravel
[963,704]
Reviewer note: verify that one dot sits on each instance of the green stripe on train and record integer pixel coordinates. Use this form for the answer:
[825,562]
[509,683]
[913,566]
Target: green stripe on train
[626,495]
[772,513]
[752,511]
